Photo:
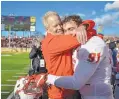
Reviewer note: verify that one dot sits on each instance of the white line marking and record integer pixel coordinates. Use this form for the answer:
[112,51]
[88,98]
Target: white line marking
[16,76]
[10,80]
[7,85]
[6,55]
[11,70]
[26,68]
[5,92]
[10,96]
[21,73]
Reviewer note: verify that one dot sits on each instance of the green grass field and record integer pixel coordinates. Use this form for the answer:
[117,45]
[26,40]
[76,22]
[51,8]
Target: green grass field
[11,64]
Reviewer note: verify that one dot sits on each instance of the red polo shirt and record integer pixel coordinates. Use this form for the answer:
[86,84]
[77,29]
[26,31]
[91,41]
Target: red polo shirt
[57,51]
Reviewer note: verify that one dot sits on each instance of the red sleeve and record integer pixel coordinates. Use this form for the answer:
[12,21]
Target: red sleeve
[62,43]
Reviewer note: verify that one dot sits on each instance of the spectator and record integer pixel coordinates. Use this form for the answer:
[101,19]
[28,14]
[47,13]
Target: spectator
[38,64]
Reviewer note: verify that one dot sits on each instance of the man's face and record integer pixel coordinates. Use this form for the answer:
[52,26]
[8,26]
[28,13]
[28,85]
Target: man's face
[55,25]
[69,27]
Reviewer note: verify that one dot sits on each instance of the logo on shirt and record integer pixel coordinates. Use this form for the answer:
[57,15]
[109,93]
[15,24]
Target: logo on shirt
[94,57]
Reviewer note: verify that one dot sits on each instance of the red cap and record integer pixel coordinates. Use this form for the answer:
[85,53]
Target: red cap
[90,31]
[90,24]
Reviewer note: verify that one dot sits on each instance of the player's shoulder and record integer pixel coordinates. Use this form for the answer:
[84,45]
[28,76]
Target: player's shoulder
[95,47]
[95,42]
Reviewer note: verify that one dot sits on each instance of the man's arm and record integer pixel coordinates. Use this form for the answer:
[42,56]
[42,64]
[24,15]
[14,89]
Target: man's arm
[83,72]
[62,43]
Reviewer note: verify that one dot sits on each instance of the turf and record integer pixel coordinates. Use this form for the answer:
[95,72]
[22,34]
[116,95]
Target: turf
[10,65]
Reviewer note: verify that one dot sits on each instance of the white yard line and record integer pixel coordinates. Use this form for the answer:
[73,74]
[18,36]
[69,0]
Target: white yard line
[6,55]
[4,92]
[10,80]
[11,95]
[7,85]
[26,69]
[16,76]
[11,70]
[21,73]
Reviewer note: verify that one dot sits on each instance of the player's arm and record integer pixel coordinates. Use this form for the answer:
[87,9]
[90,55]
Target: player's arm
[83,72]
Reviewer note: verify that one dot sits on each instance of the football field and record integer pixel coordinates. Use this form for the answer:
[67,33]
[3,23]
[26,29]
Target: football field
[13,65]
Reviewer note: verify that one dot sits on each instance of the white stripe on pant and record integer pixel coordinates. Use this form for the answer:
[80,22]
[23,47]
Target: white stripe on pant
[97,97]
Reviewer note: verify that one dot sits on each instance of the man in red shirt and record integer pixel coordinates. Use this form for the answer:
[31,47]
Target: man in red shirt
[57,50]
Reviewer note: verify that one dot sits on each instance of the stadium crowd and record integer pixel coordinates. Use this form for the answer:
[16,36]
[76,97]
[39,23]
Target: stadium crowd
[26,41]
[19,42]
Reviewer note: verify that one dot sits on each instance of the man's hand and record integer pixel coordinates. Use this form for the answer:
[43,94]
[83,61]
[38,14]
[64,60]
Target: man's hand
[81,34]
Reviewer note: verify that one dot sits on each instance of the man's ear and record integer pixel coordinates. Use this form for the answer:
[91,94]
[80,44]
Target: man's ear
[47,30]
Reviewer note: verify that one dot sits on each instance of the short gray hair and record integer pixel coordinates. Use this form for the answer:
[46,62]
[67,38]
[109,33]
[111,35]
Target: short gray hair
[46,16]
[38,40]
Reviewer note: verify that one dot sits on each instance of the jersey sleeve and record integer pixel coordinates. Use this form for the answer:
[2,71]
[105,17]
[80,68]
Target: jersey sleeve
[62,43]
[89,60]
